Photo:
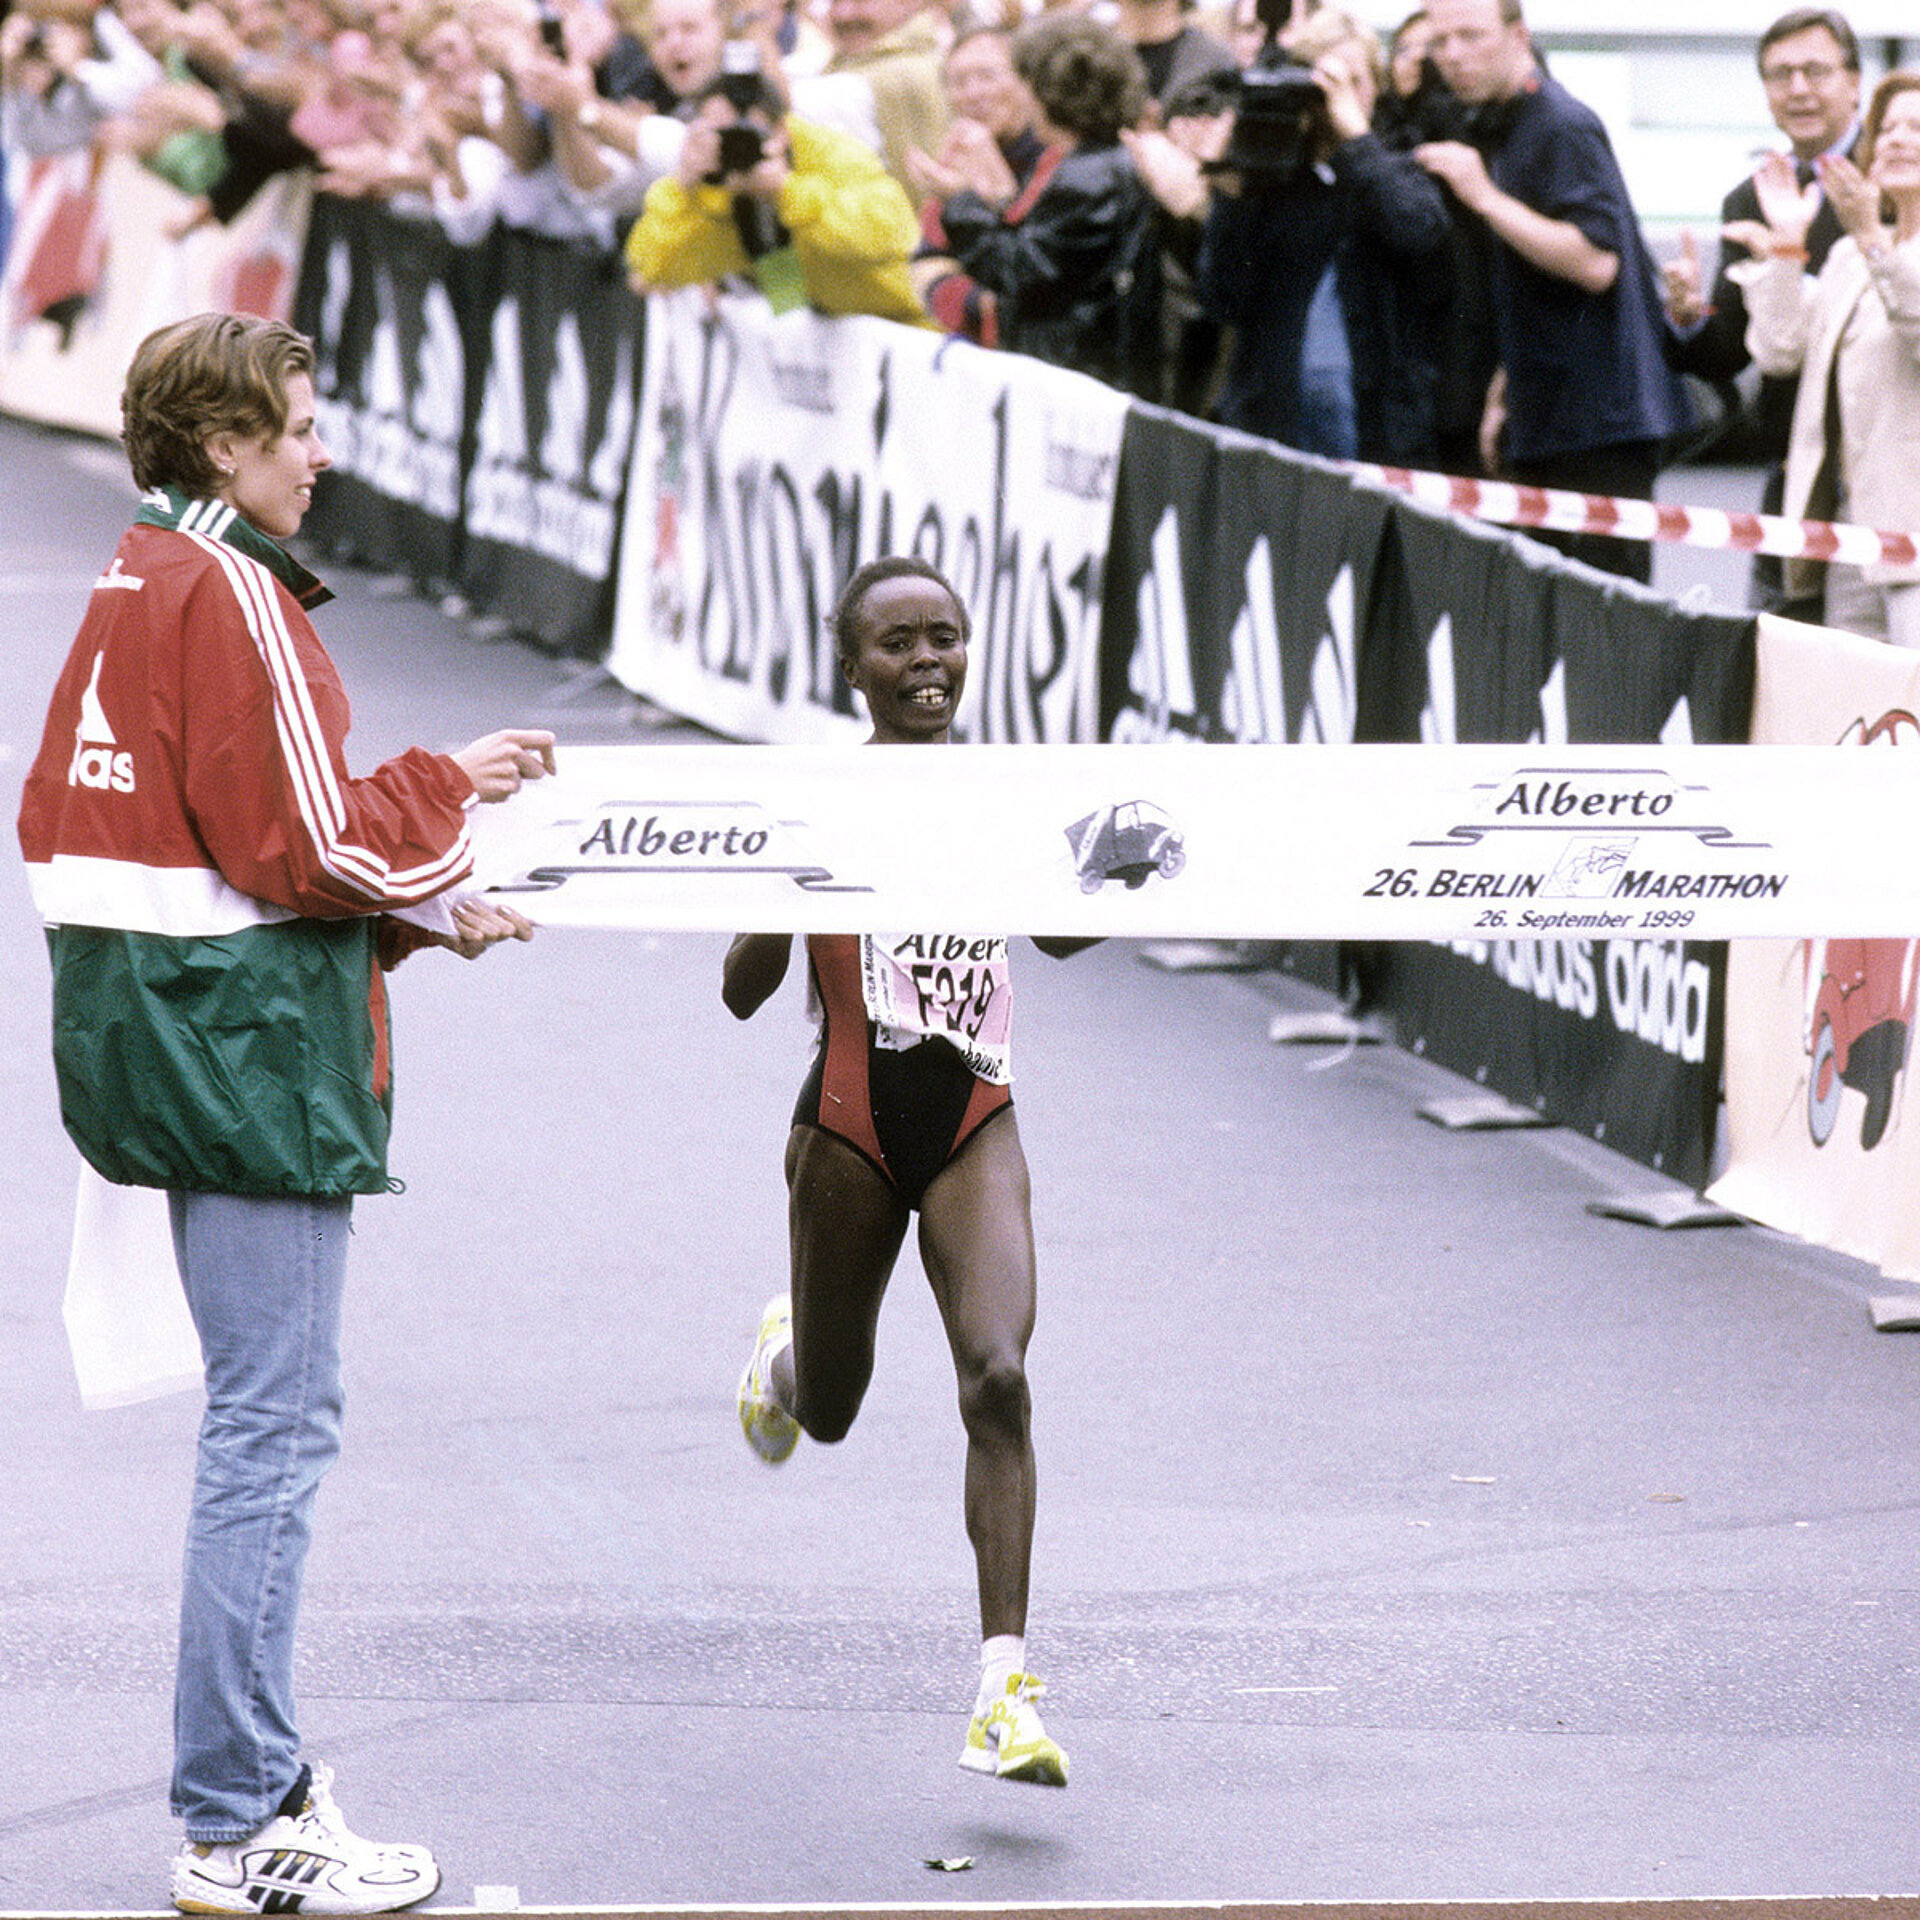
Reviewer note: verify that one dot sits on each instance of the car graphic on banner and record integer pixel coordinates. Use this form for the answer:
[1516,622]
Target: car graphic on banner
[1861,995]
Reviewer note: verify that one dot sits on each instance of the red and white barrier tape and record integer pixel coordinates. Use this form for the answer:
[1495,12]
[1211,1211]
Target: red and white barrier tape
[1507,505]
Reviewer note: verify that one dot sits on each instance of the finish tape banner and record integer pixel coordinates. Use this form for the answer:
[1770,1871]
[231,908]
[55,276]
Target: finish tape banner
[1352,842]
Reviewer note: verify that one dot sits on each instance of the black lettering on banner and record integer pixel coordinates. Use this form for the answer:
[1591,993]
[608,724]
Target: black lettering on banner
[781,538]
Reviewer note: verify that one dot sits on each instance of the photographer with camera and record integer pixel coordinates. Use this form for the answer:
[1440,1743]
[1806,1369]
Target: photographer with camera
[807,214]
[1325,251]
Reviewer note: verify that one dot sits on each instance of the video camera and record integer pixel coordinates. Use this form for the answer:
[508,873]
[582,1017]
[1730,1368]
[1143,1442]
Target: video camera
[1280,114]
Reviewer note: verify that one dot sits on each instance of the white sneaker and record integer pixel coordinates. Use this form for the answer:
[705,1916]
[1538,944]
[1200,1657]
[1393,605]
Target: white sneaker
[306,1862]
[772,1432]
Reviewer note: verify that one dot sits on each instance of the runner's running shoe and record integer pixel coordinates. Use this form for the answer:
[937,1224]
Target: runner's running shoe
[305,1862]
[772,1432]
[1009,1742]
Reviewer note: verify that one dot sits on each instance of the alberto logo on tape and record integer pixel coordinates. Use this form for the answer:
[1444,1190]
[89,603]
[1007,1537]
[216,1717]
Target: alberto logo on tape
[690,837]
[1600,798]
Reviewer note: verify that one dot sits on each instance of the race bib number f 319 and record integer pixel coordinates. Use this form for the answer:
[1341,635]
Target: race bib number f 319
[924,986]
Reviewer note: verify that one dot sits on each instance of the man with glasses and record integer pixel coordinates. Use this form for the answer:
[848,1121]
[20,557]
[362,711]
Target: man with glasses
[1809,64]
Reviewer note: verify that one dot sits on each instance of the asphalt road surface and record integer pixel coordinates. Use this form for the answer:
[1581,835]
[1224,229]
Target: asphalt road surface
[1406,1532]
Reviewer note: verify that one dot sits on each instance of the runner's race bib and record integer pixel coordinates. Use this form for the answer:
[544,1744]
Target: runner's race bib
[938,986]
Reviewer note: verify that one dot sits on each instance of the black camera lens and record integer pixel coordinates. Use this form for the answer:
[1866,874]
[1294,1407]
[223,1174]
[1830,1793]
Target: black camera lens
[742,148]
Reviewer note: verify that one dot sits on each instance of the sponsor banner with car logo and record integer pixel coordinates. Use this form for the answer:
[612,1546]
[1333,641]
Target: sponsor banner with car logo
[1600,844]
[1820,1030]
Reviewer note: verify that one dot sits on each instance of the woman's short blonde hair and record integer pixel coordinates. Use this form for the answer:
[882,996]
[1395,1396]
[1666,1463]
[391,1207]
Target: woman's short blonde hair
[1329,28]
[215,373]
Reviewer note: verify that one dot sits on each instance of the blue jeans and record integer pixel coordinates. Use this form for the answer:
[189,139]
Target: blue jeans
[263,1278]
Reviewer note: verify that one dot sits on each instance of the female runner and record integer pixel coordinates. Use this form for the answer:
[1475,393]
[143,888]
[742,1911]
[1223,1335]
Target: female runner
[907,1108]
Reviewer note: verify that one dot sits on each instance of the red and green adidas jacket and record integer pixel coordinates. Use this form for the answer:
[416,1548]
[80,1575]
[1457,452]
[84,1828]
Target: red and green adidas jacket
[212,879]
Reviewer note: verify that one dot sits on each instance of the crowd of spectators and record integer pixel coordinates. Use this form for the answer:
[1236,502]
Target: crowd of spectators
[1421,253]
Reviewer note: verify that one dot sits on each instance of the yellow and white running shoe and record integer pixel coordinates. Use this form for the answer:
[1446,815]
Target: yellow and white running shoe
[1009,1742]
[772,1432]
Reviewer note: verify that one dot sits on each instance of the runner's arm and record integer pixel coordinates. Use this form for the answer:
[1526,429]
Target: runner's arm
[755,965]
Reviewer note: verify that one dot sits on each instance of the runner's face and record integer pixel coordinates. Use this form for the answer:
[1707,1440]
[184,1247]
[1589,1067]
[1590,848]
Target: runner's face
[909,660]
[270,481]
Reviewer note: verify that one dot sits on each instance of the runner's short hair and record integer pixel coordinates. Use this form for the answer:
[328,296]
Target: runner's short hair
[215,373]
[846,614]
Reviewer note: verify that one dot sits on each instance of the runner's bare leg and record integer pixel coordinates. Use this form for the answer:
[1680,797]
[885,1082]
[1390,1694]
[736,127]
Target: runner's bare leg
[976,1242]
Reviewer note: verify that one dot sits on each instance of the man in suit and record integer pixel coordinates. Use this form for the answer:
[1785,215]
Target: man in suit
[1809,63]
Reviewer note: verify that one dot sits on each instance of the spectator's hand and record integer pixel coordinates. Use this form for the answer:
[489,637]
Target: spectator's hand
[973,152]
[1168,171]
[1460,167]
[933,177]
[1204,135]
[1684,285]
[503,39]
[209,37]
[553,85]
[589,34]
[501,763]
[370,170]
[353,172]
[1493,421]
[1346,109]
[1853,197]
[1785,206]
[482,924]
[699,153]
[162,110]
[766,180]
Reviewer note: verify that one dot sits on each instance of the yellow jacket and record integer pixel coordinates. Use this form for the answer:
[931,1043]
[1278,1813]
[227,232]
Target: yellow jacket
[853,229]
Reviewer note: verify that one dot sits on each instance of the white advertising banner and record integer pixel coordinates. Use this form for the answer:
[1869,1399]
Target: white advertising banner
[99,235]
[776,455]
[1337,842]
